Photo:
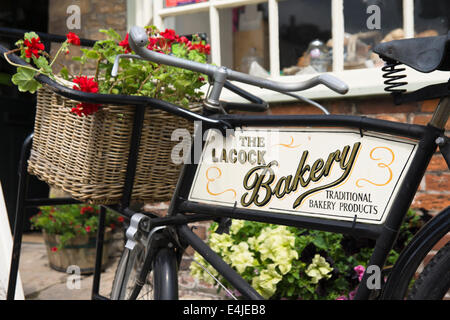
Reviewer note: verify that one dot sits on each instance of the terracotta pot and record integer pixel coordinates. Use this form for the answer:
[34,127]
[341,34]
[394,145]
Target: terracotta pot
[79,251]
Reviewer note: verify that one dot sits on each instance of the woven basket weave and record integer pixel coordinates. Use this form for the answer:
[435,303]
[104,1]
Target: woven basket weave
[87,156]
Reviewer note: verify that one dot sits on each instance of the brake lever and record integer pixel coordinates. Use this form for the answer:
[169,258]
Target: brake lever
[115,69]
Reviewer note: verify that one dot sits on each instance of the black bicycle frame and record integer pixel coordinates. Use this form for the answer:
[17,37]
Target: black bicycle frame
[384,234]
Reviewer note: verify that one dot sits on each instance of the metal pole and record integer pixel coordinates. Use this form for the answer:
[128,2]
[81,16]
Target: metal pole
[99,252]
[18,222]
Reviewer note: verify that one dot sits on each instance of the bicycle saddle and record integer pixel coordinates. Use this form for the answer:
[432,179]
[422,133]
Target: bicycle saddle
[422,54]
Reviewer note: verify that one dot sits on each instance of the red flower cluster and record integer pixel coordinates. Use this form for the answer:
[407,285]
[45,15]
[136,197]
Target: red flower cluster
[163,43]
[73,39]
[33,47]
[85,84]
[124,43]
[86,209]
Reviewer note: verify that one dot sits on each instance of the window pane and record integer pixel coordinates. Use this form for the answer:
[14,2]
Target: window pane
[250,39]
[177,3]
[189,24]
[304,31]
[431,18]
[364,30]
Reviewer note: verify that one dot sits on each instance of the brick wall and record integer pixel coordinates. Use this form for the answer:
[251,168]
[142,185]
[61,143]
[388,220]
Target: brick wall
[95,15]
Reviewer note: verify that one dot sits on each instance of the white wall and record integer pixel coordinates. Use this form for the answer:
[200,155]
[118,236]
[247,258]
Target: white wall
[5,252]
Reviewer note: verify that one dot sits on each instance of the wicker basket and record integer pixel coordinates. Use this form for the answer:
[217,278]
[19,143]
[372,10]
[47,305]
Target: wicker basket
[87,156]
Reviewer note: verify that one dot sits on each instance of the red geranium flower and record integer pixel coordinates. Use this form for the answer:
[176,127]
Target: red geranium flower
[73,39]
[54,249]
[86,209]
[85,84]
[169,35]
[124,43]
[183,39]
[88,229]
[120,219]
[33,47]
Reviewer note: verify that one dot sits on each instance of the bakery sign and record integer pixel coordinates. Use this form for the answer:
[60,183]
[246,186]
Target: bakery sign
[326,173]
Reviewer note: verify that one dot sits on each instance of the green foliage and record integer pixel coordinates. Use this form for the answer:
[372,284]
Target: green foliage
[69,221]
[144,78]
[290,263]
[24,79]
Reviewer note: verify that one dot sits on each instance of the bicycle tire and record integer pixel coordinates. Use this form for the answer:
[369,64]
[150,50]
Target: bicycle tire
[434,281]
[161,282]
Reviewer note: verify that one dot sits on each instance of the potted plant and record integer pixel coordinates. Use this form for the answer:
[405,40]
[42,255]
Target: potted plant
[89,142]
[69,233]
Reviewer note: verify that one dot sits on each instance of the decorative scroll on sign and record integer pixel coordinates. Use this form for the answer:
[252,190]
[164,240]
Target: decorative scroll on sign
[332,174]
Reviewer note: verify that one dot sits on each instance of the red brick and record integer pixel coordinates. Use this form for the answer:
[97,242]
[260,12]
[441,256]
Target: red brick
[398,117]
[432,202]
[429,105]
[442,242]
[438,182]
[437,163]
[423,119]
[343,106]
[384,105]
[295,109]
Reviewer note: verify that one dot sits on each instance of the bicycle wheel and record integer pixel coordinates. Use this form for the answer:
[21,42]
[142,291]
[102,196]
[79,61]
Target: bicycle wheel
[434,281]
[161,282]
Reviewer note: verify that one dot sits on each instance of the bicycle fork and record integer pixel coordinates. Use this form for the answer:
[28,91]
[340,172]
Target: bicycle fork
[161,254]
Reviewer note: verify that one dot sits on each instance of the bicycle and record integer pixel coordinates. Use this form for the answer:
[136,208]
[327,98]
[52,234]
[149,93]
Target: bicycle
[155,244]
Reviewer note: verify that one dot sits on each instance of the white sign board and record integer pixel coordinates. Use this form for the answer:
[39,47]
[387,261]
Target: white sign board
[332,174]
[5,253]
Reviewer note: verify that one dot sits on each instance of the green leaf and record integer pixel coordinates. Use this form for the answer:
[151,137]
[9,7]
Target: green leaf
[319,242]
[24,79]
[64,73]
[112,34]
[42,64]
[30,35]
[91,54]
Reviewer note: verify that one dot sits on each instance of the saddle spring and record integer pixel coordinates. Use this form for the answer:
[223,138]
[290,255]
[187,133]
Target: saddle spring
[391,74]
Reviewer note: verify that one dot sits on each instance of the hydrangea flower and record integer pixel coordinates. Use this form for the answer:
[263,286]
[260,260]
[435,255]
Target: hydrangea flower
[319,269]
[241,257]
[198,272]
[266,283]
[277,245]
[236,225]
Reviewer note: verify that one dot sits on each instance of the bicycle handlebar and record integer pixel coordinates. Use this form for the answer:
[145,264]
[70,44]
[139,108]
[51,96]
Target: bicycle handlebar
[138,39]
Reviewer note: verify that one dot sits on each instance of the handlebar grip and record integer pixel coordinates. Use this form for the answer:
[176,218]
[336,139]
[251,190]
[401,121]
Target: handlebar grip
[334,83]
[139,36]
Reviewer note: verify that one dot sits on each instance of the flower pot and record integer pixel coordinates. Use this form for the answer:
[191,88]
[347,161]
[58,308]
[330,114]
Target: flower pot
[79,251]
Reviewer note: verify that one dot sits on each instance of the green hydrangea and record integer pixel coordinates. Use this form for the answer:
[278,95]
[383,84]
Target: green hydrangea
[266,282]
[319,269]
[198,272]
[241,257]
[278,245]
[236,225]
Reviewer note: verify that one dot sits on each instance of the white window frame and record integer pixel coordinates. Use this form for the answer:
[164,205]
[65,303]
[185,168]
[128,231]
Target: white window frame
[361,82]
